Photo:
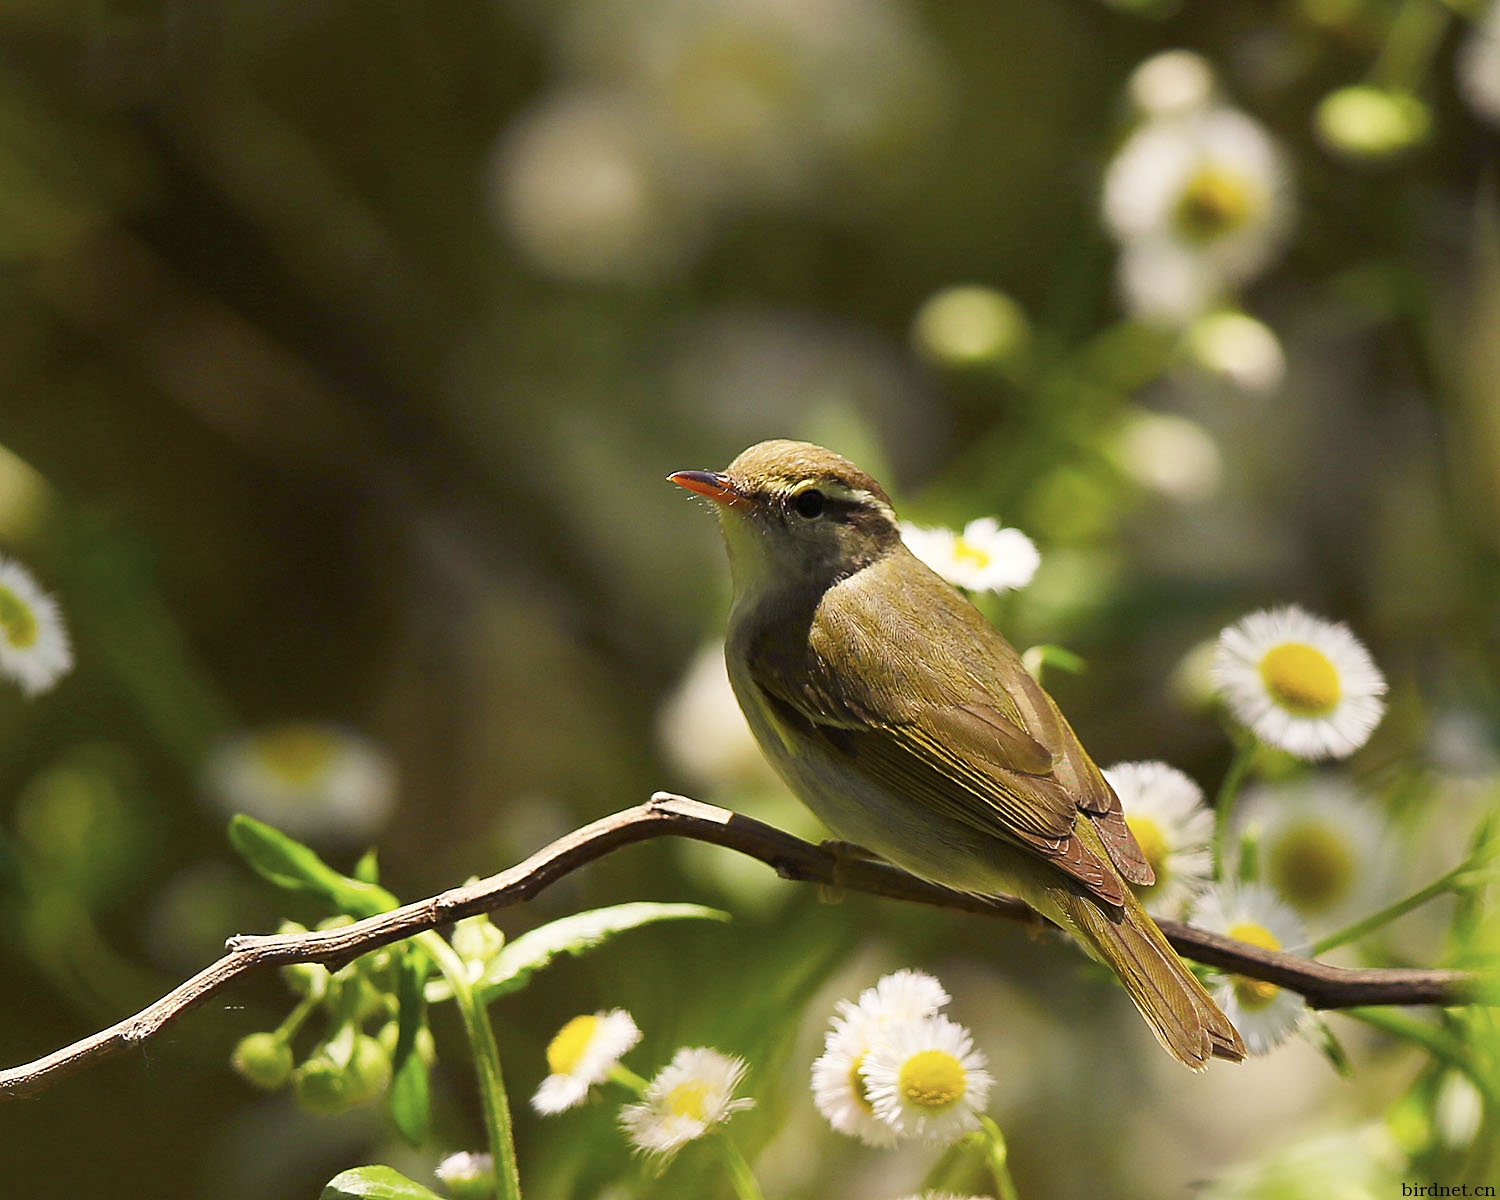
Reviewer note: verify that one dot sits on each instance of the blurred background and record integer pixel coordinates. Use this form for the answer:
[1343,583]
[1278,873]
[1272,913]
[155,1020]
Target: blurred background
[344,348]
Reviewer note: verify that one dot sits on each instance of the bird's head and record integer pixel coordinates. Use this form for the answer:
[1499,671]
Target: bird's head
[796,515]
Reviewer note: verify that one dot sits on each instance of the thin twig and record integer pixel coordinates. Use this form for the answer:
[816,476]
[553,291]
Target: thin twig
[666,815]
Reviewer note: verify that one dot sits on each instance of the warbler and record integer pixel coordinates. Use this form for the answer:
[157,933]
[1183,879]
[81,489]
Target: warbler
[909,725]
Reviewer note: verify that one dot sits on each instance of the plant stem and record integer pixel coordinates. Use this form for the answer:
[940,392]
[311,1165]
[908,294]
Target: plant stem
[1229,790]
[1387,914]
[493,1101]
[746,1187]
[287,1030]
[998,1156]
[1447,882]
[626,1078]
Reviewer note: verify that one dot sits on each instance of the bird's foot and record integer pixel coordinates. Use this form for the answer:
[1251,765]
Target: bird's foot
[844,855]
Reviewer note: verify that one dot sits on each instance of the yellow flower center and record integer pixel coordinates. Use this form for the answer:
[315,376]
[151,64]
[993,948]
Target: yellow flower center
[1213,203]
[857,1085]
[566,1049]
[969,554]
[1254,993]
[1311,866]
[687,1100]
[1300,679]
[297,754]
[17,621]
[1153,843]
[932,1079]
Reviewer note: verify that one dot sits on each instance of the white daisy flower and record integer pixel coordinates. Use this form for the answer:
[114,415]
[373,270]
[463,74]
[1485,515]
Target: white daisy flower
[1263,1013]
[1211,179]
[688,1097]
[904,995]
[309,778]
[838,1086]
[34,646]
[581,1055]
[1319,845]
[926,1080]
[1300,683]
[1169,284]
[1201,202]
[467,1174]
[984,557]
[1174,829]
[943,1196]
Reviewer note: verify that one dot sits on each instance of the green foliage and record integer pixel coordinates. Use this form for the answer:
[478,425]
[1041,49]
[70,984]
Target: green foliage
[411,1100]
[349,1068]
[514,966]
[289,864]
[375,1183]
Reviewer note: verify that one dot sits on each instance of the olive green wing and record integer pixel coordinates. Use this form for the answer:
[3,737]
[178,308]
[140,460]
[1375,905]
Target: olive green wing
[941,762]
[1082,779]
[928,700]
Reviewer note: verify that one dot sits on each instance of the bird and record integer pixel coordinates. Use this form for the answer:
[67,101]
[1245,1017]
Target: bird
[911,728]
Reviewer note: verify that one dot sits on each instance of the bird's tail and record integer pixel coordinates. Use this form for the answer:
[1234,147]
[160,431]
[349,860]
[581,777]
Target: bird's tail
[1183,1016]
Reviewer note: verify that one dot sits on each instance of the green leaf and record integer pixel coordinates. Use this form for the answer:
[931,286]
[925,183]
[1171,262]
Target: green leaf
[289,864]
[410,1097]
[375,1183]
[529,953]
[410,1100]
[1317,1031]
[1044,657]
[367,869]
[513,967]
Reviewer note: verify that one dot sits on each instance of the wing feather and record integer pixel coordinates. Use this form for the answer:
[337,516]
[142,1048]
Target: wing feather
[946,713]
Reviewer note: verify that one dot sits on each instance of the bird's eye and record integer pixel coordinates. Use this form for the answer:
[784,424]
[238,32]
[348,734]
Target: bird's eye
[809,504]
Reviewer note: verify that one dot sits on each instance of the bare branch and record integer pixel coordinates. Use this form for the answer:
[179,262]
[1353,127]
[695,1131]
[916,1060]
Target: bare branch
[666,815]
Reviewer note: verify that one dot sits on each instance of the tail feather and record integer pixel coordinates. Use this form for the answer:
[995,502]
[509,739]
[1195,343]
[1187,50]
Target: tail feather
[1183,1016]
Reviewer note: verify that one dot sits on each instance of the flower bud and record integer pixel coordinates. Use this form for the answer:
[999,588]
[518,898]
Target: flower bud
[263,1060]
[324,1086]
[1370,124]
[369,1068]
[321,1085]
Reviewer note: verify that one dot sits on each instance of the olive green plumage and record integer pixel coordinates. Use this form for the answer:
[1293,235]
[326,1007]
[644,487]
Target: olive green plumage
[900,716]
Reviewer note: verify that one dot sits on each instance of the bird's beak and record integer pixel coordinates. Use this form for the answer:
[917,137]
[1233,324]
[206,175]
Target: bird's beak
[719,488]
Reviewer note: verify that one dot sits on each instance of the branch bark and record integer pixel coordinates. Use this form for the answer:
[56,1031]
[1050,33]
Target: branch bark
[666,815]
